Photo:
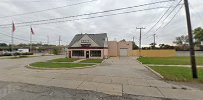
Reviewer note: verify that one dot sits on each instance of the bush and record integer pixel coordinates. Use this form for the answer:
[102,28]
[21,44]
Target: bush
[27,53]
[7,54]
[56,51]
[17,54]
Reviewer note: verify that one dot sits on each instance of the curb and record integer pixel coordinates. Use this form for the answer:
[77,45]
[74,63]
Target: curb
[156,73]
[153,71]
[31,67]
[139,61]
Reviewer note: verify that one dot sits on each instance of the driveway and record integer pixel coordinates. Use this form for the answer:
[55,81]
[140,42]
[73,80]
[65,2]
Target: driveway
[116,76]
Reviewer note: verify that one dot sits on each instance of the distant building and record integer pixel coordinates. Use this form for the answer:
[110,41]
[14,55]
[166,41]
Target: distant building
[122,48]
[94,46]
[97,46]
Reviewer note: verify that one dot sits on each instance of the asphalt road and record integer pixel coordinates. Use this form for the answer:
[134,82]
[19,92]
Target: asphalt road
[21,91]
[115,79]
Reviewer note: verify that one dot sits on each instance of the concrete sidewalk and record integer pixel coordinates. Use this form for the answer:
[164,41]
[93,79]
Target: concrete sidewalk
[116,76]
[172,65]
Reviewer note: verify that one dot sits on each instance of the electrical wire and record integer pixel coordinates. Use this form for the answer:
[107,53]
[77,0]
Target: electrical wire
[118,9]
[21,14]
[172,17]
[169,15]
[168,21]
[90,17]
[162,17]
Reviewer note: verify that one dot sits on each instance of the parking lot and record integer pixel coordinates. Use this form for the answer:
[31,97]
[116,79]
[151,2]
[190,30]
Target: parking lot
[115,76]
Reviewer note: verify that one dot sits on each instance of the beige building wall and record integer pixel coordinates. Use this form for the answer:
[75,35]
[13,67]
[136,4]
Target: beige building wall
[123,44]
[114,47]
[114,50]
[106,53]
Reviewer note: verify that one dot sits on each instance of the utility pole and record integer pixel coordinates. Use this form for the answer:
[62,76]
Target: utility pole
[140,40]
[192,52]
[154,40]
[59,40]
[133,39]
[30,41]
[47,39]
[12,43]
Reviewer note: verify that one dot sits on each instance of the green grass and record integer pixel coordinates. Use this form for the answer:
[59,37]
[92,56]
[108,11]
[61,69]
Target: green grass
[92,61]
[58,65]
[178,73]
[170,60]
[64,60]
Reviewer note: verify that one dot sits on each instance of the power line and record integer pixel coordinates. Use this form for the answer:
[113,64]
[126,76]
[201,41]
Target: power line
[172,17]
[47,9]
[169,15]
[154,17]
[168,21]
[14,37]
[161,17]
[3,41]
[18,38]
[91,17]
[118,9]
[199,16]
[47,1]
[94,17]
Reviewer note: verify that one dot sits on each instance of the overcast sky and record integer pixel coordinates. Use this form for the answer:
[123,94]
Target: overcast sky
[117,27]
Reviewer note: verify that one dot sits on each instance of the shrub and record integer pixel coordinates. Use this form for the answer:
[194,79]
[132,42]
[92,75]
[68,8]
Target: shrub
[7,54]
[27,53]
[56,51]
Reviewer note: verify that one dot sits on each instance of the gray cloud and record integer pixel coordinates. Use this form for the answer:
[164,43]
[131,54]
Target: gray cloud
[118,27]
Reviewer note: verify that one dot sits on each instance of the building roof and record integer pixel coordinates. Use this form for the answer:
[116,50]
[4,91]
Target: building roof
[97,38]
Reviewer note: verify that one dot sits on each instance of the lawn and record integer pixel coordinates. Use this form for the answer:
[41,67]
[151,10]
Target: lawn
[178,73]
[64,60]
[92,61]
[58,65]
[170,60]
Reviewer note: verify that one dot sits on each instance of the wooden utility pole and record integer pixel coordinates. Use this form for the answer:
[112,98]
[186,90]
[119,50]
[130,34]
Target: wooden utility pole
[140,40]
[12,42]
[192,52]
[59,40]
[30,41]
[133,39]
[154,40]
[47,39]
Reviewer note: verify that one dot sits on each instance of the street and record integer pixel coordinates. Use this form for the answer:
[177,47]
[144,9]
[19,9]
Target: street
[116,78]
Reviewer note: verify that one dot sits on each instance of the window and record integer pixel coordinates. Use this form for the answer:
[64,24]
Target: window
[95,53]
[78,53]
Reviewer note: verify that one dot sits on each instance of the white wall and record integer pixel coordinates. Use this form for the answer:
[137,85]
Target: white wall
[85,37]
[187,53]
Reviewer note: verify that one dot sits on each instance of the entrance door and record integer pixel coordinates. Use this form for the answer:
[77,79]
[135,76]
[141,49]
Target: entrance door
[69,54]
[87,54]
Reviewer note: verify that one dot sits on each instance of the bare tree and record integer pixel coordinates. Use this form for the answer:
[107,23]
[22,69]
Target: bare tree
[182,41]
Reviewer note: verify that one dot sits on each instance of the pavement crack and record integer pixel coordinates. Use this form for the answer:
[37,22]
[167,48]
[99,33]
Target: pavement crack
[160,92]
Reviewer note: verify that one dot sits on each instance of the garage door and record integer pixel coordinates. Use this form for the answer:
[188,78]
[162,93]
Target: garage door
[123,52]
